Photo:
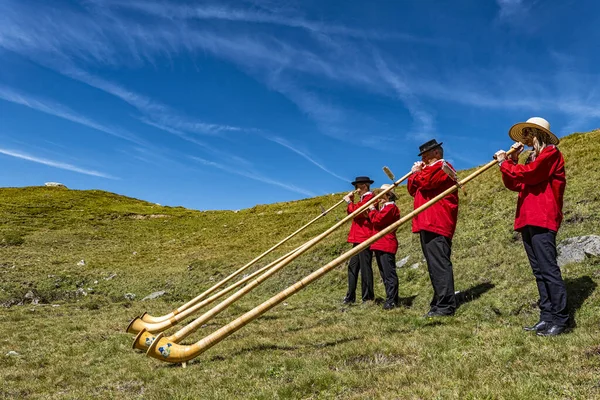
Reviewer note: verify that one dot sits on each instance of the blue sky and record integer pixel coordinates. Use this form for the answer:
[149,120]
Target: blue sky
[224,105]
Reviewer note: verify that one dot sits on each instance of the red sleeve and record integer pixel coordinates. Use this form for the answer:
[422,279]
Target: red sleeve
[353,207]
[430,178]
[539,170]
[385,217]
[509,182]
[411,186]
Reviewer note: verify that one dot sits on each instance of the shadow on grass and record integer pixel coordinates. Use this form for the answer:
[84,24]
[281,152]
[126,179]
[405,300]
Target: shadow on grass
[578,290]
[473,293]
[406,302]
[336,342]
[271,346]
[264,347]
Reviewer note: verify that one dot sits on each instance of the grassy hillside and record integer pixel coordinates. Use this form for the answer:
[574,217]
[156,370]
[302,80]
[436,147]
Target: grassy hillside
[73,345]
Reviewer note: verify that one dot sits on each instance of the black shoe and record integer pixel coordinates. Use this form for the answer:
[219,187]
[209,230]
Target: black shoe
[347,301]
[432,314]
[540,326]
[554,330]
[389,306]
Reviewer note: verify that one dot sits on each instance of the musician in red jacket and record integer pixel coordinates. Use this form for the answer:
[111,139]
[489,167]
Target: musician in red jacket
[435,225]
[360,230]
[540,183]
[385,248]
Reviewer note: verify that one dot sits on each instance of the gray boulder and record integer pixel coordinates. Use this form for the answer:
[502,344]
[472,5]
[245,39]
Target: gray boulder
[576,249]
[30,297]
[154,295]
[129,296]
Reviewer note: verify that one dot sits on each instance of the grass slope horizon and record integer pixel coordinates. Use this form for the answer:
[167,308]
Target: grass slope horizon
[72,343]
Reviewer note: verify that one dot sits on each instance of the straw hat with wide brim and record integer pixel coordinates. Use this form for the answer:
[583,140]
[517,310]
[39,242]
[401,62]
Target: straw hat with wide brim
[386,186]
[517,133]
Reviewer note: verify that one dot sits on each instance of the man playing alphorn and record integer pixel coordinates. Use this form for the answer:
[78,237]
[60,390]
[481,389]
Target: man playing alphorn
[436,224]
[541,184]
[360,230]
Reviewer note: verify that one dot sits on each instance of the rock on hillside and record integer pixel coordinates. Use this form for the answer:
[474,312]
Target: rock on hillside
[576,249]
[55,184]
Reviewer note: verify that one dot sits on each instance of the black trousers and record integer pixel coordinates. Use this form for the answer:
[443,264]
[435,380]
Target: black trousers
[387,269]
[361,262]
[540,246]
[437,250]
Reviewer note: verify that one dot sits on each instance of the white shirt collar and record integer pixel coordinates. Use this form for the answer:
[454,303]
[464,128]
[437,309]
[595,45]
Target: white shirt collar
[361,197]
[435,162]
[387,203]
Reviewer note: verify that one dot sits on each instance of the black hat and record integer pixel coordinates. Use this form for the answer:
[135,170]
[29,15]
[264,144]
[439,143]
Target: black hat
[362,179]
[425,147]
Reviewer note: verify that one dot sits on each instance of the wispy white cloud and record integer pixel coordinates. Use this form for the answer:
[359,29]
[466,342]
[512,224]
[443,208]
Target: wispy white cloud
[306,156]
[55,33]
[105,35]
[326,115]
[254,176]
[153,110]
[258,16]
[509,8]
[211,149]
[55,164]
[61,111]
[423,119]
[559,93]
[100,37]
[114,40]
[331,118]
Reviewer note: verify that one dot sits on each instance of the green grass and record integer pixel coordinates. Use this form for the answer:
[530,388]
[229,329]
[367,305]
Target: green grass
[309,347]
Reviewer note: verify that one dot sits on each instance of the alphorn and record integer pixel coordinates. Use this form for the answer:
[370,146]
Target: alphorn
[168,351]
[138,325]
[145,336]
[149,318]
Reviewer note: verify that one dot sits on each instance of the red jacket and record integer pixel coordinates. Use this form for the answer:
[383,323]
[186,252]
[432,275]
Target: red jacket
[541,185]
[381,219]
[361,228]
[441,217]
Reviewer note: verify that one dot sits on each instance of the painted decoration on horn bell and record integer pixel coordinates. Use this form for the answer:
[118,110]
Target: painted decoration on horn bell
[165,351]
[150,340]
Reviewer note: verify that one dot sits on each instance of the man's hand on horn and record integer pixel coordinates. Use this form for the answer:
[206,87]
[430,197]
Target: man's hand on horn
[349,198]
[500,156]
[518,146]
[417,167]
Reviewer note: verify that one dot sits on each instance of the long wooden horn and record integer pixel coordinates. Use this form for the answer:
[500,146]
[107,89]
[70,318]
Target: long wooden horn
[165,350]
[145,337]
[149,318]
[141,340]
[137,324]
[147,333]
